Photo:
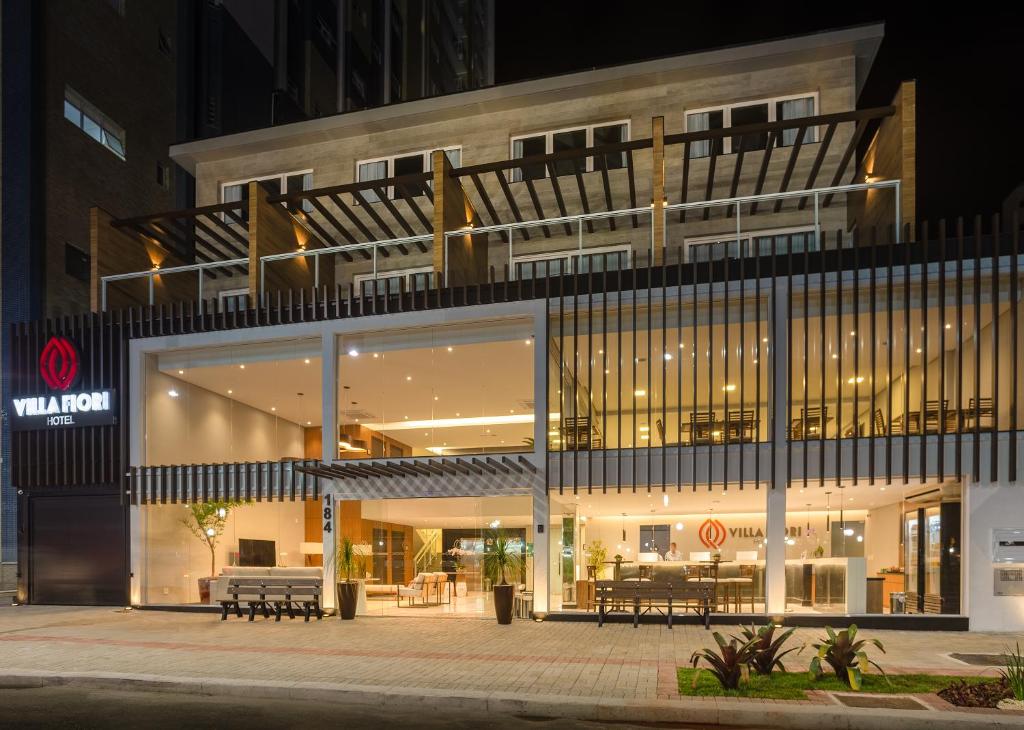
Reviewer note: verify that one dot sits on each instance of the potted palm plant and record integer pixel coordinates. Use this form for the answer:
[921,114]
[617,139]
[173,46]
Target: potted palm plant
[503,560]
[206,521]
[348,589]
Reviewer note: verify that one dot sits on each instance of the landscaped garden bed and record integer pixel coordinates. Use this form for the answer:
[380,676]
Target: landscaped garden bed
[751,666]
[795,685]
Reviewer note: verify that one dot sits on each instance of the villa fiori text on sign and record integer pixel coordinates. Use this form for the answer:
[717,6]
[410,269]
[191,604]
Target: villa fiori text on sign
[58,367]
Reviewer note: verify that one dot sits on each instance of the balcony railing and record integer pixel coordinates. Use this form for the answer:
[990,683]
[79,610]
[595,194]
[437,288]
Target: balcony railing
[351,229]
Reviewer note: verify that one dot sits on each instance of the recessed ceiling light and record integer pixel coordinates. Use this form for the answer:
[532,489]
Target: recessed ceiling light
[729,387]
[450,348]
[306,361]
[242,366]
[376,355]
[764,339]
[353,352]
[528,342]
[668,355]
[309,423]
[857,379]
[181,372]
[273,408]
[173,393]
[919,351]
[645,428]
[230,391]
[639,393]
[436,397]
[408,377]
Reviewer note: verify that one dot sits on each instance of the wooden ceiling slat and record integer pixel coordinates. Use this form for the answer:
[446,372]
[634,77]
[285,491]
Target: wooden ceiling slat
[511,202]
[347,211]
[818,160]
[737,170]
[230,247]
[632,185]
[233,232]
[374,215]
[847,154]
[559,200]
[394,212]
[607,190]
[584,201]
[488,205]
[773,138]
[684,184]
[790,164]
[334,222]
[535,199]
[711,180]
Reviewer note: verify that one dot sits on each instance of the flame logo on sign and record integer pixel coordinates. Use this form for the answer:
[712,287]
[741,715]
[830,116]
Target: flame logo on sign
[711,533]
[58,363]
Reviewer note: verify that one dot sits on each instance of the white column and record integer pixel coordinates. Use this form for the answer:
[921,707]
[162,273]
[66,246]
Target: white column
[135,560]
[541,506]
[775,551]
[136,457]
[328,446]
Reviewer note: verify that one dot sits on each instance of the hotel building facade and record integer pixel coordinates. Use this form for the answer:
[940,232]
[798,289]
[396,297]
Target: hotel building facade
[682,306]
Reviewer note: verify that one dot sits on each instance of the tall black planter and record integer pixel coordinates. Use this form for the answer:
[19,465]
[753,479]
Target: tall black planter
[348,596]
[503,603]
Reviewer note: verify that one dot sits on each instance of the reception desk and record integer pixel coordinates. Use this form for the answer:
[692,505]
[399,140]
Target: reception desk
[827,583]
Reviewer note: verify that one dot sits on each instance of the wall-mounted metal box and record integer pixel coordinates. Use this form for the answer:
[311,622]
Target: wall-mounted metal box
[1008,581]
[1008,545]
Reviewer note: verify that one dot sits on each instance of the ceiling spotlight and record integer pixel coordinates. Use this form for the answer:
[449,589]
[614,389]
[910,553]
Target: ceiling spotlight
[353,352]
[181,372]
[408,378]
[273,408]
[230,391]
[729,387]
[450,348]
[639,393]
[848,532]
[242,366]
[173,393]
[679,527]
[668,355]
[306,361]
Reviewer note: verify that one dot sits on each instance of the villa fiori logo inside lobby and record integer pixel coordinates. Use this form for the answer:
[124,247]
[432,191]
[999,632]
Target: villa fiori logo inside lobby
[59,365]
[712,533]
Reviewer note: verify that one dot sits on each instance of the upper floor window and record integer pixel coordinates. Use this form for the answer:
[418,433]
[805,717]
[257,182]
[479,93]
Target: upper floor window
[585,261]
[560,140]
[393,282]
[750,112]
[280,183]
[93,122]
[751,243]
[410,163]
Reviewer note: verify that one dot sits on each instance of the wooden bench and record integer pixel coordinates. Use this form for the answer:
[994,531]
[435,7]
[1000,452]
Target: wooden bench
[273,593]
[643,596]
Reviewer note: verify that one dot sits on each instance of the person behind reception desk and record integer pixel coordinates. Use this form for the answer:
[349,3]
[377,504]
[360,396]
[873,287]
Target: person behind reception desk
[673,553]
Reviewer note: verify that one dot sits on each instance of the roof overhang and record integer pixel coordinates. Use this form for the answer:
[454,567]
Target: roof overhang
[862,42]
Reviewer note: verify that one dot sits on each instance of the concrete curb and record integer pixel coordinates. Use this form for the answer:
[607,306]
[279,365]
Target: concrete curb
[709,711]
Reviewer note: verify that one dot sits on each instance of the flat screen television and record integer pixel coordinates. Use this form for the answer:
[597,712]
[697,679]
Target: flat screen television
[257,553]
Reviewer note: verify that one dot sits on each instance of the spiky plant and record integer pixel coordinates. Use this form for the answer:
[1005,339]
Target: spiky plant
[504,559]
[845,654]
[729,665]
[766,648]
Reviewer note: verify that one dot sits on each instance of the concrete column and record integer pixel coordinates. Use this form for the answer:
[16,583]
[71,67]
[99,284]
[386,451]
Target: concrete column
[328,448]
[658,191]
[775,551]
[541,505]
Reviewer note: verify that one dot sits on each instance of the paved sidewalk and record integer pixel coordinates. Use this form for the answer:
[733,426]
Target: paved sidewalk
[470,658]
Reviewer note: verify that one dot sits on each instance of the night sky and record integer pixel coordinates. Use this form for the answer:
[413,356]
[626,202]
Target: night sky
[970,92]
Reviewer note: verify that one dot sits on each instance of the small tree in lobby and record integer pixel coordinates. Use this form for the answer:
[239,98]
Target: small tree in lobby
[206,521]
[348,589]
[504,559]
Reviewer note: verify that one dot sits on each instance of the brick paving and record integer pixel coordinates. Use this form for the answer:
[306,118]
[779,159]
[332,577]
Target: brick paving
[452,654]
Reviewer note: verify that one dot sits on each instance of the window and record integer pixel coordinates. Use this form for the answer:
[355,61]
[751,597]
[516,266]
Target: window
[163,175]
[561,140]
[76,262]
[754,243]
[756,112]
[232,300]
[393,282]
[93,122]
[408,164]
[540,265]
[288,182]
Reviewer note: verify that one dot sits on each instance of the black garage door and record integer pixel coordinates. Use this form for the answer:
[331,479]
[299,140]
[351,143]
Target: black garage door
[78,550]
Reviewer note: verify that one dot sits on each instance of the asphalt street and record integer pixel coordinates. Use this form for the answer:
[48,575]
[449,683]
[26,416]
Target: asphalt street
[70,708]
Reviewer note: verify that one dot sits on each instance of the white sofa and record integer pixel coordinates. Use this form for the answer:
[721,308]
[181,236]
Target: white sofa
[429,588]
[219,586]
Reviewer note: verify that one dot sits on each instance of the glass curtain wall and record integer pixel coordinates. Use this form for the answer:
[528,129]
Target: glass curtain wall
[425,557]
[258,402]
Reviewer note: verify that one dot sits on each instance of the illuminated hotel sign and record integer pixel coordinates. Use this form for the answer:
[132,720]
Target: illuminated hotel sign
[59,369]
